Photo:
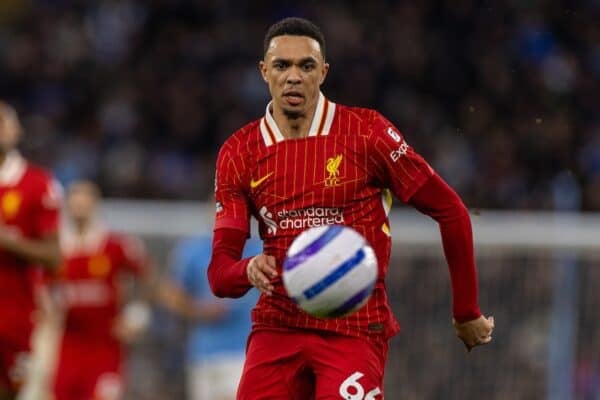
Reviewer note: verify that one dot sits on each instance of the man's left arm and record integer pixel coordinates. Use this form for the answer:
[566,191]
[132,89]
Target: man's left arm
[436,199]
[397,166]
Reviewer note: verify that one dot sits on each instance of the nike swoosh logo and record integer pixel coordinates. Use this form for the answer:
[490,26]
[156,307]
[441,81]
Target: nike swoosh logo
[254,184]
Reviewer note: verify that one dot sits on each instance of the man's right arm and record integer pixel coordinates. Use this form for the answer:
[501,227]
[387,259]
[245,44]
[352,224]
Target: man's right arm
[227,270]
[231,276]
[228,274]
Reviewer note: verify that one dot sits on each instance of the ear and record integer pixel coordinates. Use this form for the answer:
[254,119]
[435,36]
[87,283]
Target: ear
[262,66]
[324,72]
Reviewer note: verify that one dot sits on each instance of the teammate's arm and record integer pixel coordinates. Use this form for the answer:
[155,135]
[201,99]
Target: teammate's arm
[44,251]
[174,298]
[173,291]
[138,286]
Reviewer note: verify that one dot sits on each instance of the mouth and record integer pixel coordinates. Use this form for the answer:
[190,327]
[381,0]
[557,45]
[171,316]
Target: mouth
[293,97]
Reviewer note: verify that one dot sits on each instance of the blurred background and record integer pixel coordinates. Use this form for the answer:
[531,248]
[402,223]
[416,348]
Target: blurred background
[501,97]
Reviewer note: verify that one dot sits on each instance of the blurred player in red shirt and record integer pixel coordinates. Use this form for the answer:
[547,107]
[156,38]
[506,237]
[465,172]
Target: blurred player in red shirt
[88,290]
[29,212]
[311,162]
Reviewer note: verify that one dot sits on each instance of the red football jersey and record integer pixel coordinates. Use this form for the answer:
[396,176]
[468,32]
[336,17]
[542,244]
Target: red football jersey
[341,173]
[88,284]
[29,207]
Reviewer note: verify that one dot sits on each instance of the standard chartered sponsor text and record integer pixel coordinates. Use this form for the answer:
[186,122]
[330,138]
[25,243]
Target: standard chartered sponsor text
[309,217]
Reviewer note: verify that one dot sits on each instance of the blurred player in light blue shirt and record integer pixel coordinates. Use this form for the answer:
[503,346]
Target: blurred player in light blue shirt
[219,328]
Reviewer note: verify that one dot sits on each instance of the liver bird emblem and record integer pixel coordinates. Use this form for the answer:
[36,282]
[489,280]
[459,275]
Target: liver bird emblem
[333,168]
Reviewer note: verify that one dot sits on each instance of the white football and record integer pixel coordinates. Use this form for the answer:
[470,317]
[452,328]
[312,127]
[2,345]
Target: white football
[330,271]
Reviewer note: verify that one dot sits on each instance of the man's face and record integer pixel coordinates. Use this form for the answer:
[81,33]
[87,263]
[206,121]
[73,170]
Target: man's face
[81,202]
[10,129]
[294,69]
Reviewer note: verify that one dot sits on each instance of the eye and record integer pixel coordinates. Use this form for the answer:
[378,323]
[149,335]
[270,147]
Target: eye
[280,66]
[308,67]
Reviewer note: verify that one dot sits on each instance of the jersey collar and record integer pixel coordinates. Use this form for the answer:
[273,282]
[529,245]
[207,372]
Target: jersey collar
[89,241]
[320,125]
[12,169]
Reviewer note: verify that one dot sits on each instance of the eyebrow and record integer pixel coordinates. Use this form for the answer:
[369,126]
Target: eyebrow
[290,61]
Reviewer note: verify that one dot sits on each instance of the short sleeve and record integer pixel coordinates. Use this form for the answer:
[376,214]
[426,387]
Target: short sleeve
[49,205]
[394,162]
[231,202]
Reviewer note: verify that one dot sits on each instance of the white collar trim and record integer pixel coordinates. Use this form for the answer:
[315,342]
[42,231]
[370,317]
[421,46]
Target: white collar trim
[89,241]
[320,125]
[12,169]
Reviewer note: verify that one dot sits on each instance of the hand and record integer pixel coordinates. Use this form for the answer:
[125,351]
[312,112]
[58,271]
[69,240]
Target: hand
[131,322]
[8,236]
[260,270]
[475,332]
[123,332]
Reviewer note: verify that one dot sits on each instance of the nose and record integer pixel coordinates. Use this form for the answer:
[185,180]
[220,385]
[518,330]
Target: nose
[294,76]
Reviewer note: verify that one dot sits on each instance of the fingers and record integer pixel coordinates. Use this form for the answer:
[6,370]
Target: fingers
[476,332]
[479,342]
[261,269]
[485,340]
[470,343]
[487,330]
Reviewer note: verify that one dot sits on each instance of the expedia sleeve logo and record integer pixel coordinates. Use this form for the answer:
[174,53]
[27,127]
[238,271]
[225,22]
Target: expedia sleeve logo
[402,149]
[394,135]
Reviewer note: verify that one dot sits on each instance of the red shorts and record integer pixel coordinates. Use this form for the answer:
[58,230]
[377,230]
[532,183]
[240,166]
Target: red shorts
[88,370]
[301,365]
[14,355]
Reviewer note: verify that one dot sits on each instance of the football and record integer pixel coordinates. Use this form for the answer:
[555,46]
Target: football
[330,271]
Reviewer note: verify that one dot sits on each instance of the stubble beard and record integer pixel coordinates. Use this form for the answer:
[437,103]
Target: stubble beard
[5,150]
[292,115]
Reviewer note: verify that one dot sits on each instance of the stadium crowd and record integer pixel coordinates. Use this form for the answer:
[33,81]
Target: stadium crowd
[501,96]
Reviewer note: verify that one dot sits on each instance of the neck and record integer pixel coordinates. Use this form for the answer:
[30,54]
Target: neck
[3,155]
[81,226]
[294,125]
